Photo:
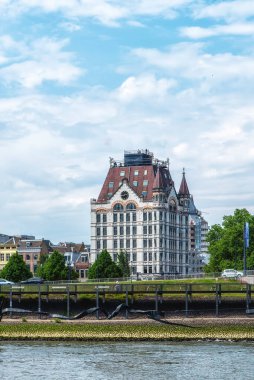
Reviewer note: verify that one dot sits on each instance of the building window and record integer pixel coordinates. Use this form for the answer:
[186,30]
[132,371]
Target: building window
[98,231]
[145,256]
[121,230]
[150,256]
[144,243]
[134,217]
[115,243]
[131,206]
[134,230]
[145,230]
[115,257]
[127,217]
[145,269]
[145,183]
[150,230]
[121,217]
[111,185]
[135,183]
[144,193]
[150,242]
[98,218]
[122,173]
[135,172]
[98,244]
[27,257]
[115,218]
[104,244]
[104,231]
[150,269]
[127,243]
[145,216]
[150,216]
[104,218]
[115,230]
[2,257]
[118,207]
[145,172]
[128,230]
[134,243]
[121,243]
[134,257]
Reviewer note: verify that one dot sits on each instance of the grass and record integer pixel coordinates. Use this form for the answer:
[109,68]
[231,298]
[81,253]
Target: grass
[122,331]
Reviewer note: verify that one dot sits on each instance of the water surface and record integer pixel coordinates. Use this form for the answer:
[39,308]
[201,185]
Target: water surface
[134,360]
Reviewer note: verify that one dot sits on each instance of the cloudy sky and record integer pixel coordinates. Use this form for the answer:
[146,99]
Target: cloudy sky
[83,80]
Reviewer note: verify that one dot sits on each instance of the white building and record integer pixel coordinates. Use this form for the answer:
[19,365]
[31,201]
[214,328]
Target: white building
[138,210]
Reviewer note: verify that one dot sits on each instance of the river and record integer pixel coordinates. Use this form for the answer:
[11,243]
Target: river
[134,360]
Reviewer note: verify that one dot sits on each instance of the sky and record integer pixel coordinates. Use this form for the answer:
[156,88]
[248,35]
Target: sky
[84,80]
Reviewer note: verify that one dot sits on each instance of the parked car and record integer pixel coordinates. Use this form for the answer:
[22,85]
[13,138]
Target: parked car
[3,281]
[231,273]
[33,280]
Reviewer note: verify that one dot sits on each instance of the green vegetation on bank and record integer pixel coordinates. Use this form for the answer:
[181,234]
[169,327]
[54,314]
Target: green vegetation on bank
[16,270]
[122,331]
[226,243]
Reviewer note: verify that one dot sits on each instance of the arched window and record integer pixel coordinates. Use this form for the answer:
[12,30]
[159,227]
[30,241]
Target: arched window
[131,206]
[118,207]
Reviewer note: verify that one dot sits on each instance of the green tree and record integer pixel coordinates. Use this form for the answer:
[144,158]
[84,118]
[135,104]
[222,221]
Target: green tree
[226,242]
[54,268]
[16,270]
[123,263]
[104,267]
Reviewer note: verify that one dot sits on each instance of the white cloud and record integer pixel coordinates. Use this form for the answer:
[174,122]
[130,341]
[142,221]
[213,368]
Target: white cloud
[144,87]
[228,10]
[190,61]
[236,29]
[105,11]
[38,61]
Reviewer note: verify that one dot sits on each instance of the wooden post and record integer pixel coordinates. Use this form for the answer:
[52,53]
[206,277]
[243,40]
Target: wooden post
[156,299]
[68,301]
[97,302]
[186,300]
[217,300]
[248,296]
[39,299]
[127,303]
[11,300]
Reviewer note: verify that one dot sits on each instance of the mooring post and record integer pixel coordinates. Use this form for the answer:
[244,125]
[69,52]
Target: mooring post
[126,302]
[186,300]
[68,301]
[161,293]
[97,302]
[156,300]
[11,300]
[248,296]
[217,300]
[132,294]
[39,300]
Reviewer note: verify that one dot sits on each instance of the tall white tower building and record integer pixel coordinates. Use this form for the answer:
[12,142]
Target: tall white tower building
[139,211]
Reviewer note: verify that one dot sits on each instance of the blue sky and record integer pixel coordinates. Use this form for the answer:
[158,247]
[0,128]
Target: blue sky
[83,80]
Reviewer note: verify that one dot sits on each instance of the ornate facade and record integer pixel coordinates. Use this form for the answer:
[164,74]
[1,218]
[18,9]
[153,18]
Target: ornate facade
[139,211]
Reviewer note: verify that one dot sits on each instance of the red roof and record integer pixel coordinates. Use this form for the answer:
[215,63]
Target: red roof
[184,190]
[143,179]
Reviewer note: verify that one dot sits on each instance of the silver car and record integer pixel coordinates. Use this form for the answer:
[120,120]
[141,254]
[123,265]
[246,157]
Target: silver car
[3,281]
[231,273]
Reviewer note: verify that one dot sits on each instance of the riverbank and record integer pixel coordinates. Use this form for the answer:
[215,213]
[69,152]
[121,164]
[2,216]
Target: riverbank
[182,329]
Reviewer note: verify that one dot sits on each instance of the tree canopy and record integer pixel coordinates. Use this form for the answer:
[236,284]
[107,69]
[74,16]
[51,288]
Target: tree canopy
[16,270]
[226,242]
[123,263]
[54,268]
[104,267]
